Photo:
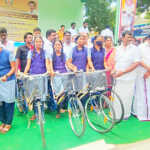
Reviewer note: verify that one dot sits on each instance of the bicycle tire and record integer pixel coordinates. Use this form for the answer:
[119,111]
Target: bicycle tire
[115,97]
[76,116]
[100,121]
[41,124]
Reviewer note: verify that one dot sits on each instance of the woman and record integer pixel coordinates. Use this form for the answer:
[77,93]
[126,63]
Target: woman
[7,89]
[109,61]
[37,62]
[80,58]
[58,64]
[98,53]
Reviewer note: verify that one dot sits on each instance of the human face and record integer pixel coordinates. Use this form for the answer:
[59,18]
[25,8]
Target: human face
[52,37]
[37,34]
[81,41]
[62,28]
[67,38]
[32,6]
[3,37]
[85,37]
[85,25]
[73,26]
[108,42]
[57,46]
[38,43]
[127,39]
[29,39]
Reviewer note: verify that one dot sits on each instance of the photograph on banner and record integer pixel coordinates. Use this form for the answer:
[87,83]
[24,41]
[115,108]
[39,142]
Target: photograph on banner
[18,16]
[127,15]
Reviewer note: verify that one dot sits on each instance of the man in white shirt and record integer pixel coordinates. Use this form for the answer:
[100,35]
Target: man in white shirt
[6,44]
[84,28]
[51,36]
[126,61]
[107,32]
[68,45]
[73,30]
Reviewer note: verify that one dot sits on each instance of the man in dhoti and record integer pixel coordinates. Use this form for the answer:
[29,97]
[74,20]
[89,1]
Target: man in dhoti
[126,60]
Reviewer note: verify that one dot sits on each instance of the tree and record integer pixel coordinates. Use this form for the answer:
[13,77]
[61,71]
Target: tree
[100,14]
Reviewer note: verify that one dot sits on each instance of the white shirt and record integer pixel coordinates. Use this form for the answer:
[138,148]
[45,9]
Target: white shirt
[124,58]
[83,30]
[73,32]
[68,49]
[48,46]
[107,32]
[9,46]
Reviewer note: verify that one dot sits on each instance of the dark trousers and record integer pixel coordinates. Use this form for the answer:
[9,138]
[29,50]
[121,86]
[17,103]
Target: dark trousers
[6,112]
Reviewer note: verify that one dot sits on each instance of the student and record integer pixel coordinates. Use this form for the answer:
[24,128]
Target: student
[58,64]
[98,53]
[80,57]
[7,89]
[37,62]
[7,44]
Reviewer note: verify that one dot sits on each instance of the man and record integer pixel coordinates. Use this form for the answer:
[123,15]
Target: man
[50,36]
[73,30]
[22,52]
[32,7]
[68,45]
[107,32]
[6,44]
[126,60]
[61,32]
[141,105]
[84,28]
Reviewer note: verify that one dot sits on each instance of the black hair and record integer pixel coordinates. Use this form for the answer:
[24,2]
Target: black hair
[41,50]
[32,2]
[62,26]
[72,23]
[76,39]
[107,37]
[49,32]
[85,22]
[26,35]
[54,53]
[36,29]
[67,32]
[3,30]
[126,33]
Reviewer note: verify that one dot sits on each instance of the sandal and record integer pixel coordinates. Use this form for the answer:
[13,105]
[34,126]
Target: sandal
[33,117]
[6,128]
[2,126]
[57,116]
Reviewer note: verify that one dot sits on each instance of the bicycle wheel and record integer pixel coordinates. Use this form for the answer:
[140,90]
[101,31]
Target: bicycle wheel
[76,116]
[40,119]
[117,104]
[99,117]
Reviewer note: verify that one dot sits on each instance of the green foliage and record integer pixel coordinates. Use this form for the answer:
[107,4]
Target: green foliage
[100,14]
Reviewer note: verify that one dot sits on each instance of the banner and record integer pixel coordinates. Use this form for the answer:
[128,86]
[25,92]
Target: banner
[18,17]
[125,17]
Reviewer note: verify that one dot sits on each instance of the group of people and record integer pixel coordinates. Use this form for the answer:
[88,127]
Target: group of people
[127,63]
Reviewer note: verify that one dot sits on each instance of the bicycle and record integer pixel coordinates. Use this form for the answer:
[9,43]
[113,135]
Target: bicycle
[68,89]
[99,104]
[35,87]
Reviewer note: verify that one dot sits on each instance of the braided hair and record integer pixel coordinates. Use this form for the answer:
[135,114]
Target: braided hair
[62,52]
[41,50]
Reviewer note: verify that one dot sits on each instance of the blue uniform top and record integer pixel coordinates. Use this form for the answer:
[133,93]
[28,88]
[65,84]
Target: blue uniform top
[5,58]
